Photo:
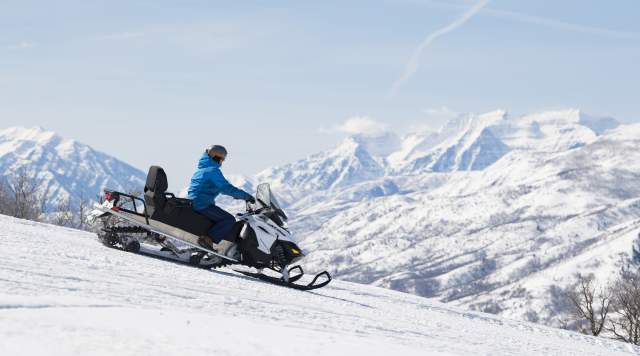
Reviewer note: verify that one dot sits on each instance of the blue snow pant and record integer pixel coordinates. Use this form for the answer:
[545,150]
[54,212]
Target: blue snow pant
[222,222]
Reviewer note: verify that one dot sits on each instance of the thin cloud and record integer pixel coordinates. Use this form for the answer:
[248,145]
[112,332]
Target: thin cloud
[412,65]
[358,125]
[545,22]
[21,46]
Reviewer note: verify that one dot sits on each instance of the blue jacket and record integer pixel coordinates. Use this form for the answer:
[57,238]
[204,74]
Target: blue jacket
[207,182]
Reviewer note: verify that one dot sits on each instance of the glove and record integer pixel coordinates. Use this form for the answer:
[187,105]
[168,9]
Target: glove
[251,199]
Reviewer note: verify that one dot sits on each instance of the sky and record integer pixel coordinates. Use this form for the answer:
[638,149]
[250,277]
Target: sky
[156,81]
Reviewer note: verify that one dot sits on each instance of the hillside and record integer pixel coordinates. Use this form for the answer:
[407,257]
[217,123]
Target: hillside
[63,293]
[480,214]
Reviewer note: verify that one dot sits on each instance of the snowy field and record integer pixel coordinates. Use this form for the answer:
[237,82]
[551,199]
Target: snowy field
[62,293]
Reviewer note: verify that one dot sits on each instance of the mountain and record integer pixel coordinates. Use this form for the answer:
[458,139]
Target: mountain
[67,168]
[492,212]
[350,163]
[76,296]
[469,142]
[474,142]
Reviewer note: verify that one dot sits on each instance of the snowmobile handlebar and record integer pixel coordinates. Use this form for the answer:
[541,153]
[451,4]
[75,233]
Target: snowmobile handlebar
[250,211]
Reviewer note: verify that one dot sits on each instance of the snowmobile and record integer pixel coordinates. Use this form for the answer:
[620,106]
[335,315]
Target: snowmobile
[162,220]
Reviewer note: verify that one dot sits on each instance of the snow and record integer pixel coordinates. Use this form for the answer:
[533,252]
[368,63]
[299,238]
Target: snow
[492,213]
[67,168]
[480,214]
[62,293]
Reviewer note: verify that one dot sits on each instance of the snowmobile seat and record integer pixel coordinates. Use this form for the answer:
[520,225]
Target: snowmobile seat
[166,208]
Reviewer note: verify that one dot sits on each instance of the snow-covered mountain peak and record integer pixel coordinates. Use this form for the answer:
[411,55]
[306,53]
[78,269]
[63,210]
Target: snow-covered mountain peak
[35,133]
[67,168]
[348,163]
[467,142]
[465,122]
[554,131]
[35,140]
[15,138]
[572,116]
[379,145]
[348,146]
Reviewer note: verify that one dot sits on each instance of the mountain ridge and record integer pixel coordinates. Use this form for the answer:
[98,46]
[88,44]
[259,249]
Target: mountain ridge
[468,142]
[67,168]
[476,234]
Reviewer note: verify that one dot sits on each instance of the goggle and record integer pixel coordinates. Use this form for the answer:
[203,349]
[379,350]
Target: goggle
[221,158]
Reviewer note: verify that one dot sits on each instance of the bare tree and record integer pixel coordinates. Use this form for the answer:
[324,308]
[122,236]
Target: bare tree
[24,197]
[591,307]
[43,201]
[7,206]
[63,213]
[82,211]
[625,326]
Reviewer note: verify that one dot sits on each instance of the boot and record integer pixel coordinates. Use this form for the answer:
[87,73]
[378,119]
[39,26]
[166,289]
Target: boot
[206,242]
[227,248]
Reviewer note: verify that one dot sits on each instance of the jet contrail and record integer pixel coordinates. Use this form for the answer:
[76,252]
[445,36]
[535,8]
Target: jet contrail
[412,65]
[547,22]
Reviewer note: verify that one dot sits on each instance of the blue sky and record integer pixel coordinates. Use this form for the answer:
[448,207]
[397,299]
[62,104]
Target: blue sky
[154,82]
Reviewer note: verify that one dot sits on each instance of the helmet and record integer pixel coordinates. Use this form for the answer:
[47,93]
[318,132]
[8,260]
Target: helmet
[217,151]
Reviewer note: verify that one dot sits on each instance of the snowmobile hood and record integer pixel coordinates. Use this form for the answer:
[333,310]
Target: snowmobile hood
[207,162]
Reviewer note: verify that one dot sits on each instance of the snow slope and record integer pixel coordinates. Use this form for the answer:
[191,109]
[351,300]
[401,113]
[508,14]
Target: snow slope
[67,167]
[62,293]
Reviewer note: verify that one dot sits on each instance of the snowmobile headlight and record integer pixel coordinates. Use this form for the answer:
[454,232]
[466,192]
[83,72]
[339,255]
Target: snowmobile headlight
[296,252]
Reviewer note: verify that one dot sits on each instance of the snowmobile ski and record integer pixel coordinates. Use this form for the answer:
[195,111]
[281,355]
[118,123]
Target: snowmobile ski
[291,282]
[280,282]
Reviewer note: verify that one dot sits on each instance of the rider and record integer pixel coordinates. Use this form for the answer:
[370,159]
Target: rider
[207,182]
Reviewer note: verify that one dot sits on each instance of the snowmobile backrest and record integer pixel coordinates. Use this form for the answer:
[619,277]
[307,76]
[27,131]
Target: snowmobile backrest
[166,208]
[156,180]
[154,189]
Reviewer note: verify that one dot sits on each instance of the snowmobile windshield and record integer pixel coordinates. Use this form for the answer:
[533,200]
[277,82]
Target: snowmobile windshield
[265,197]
